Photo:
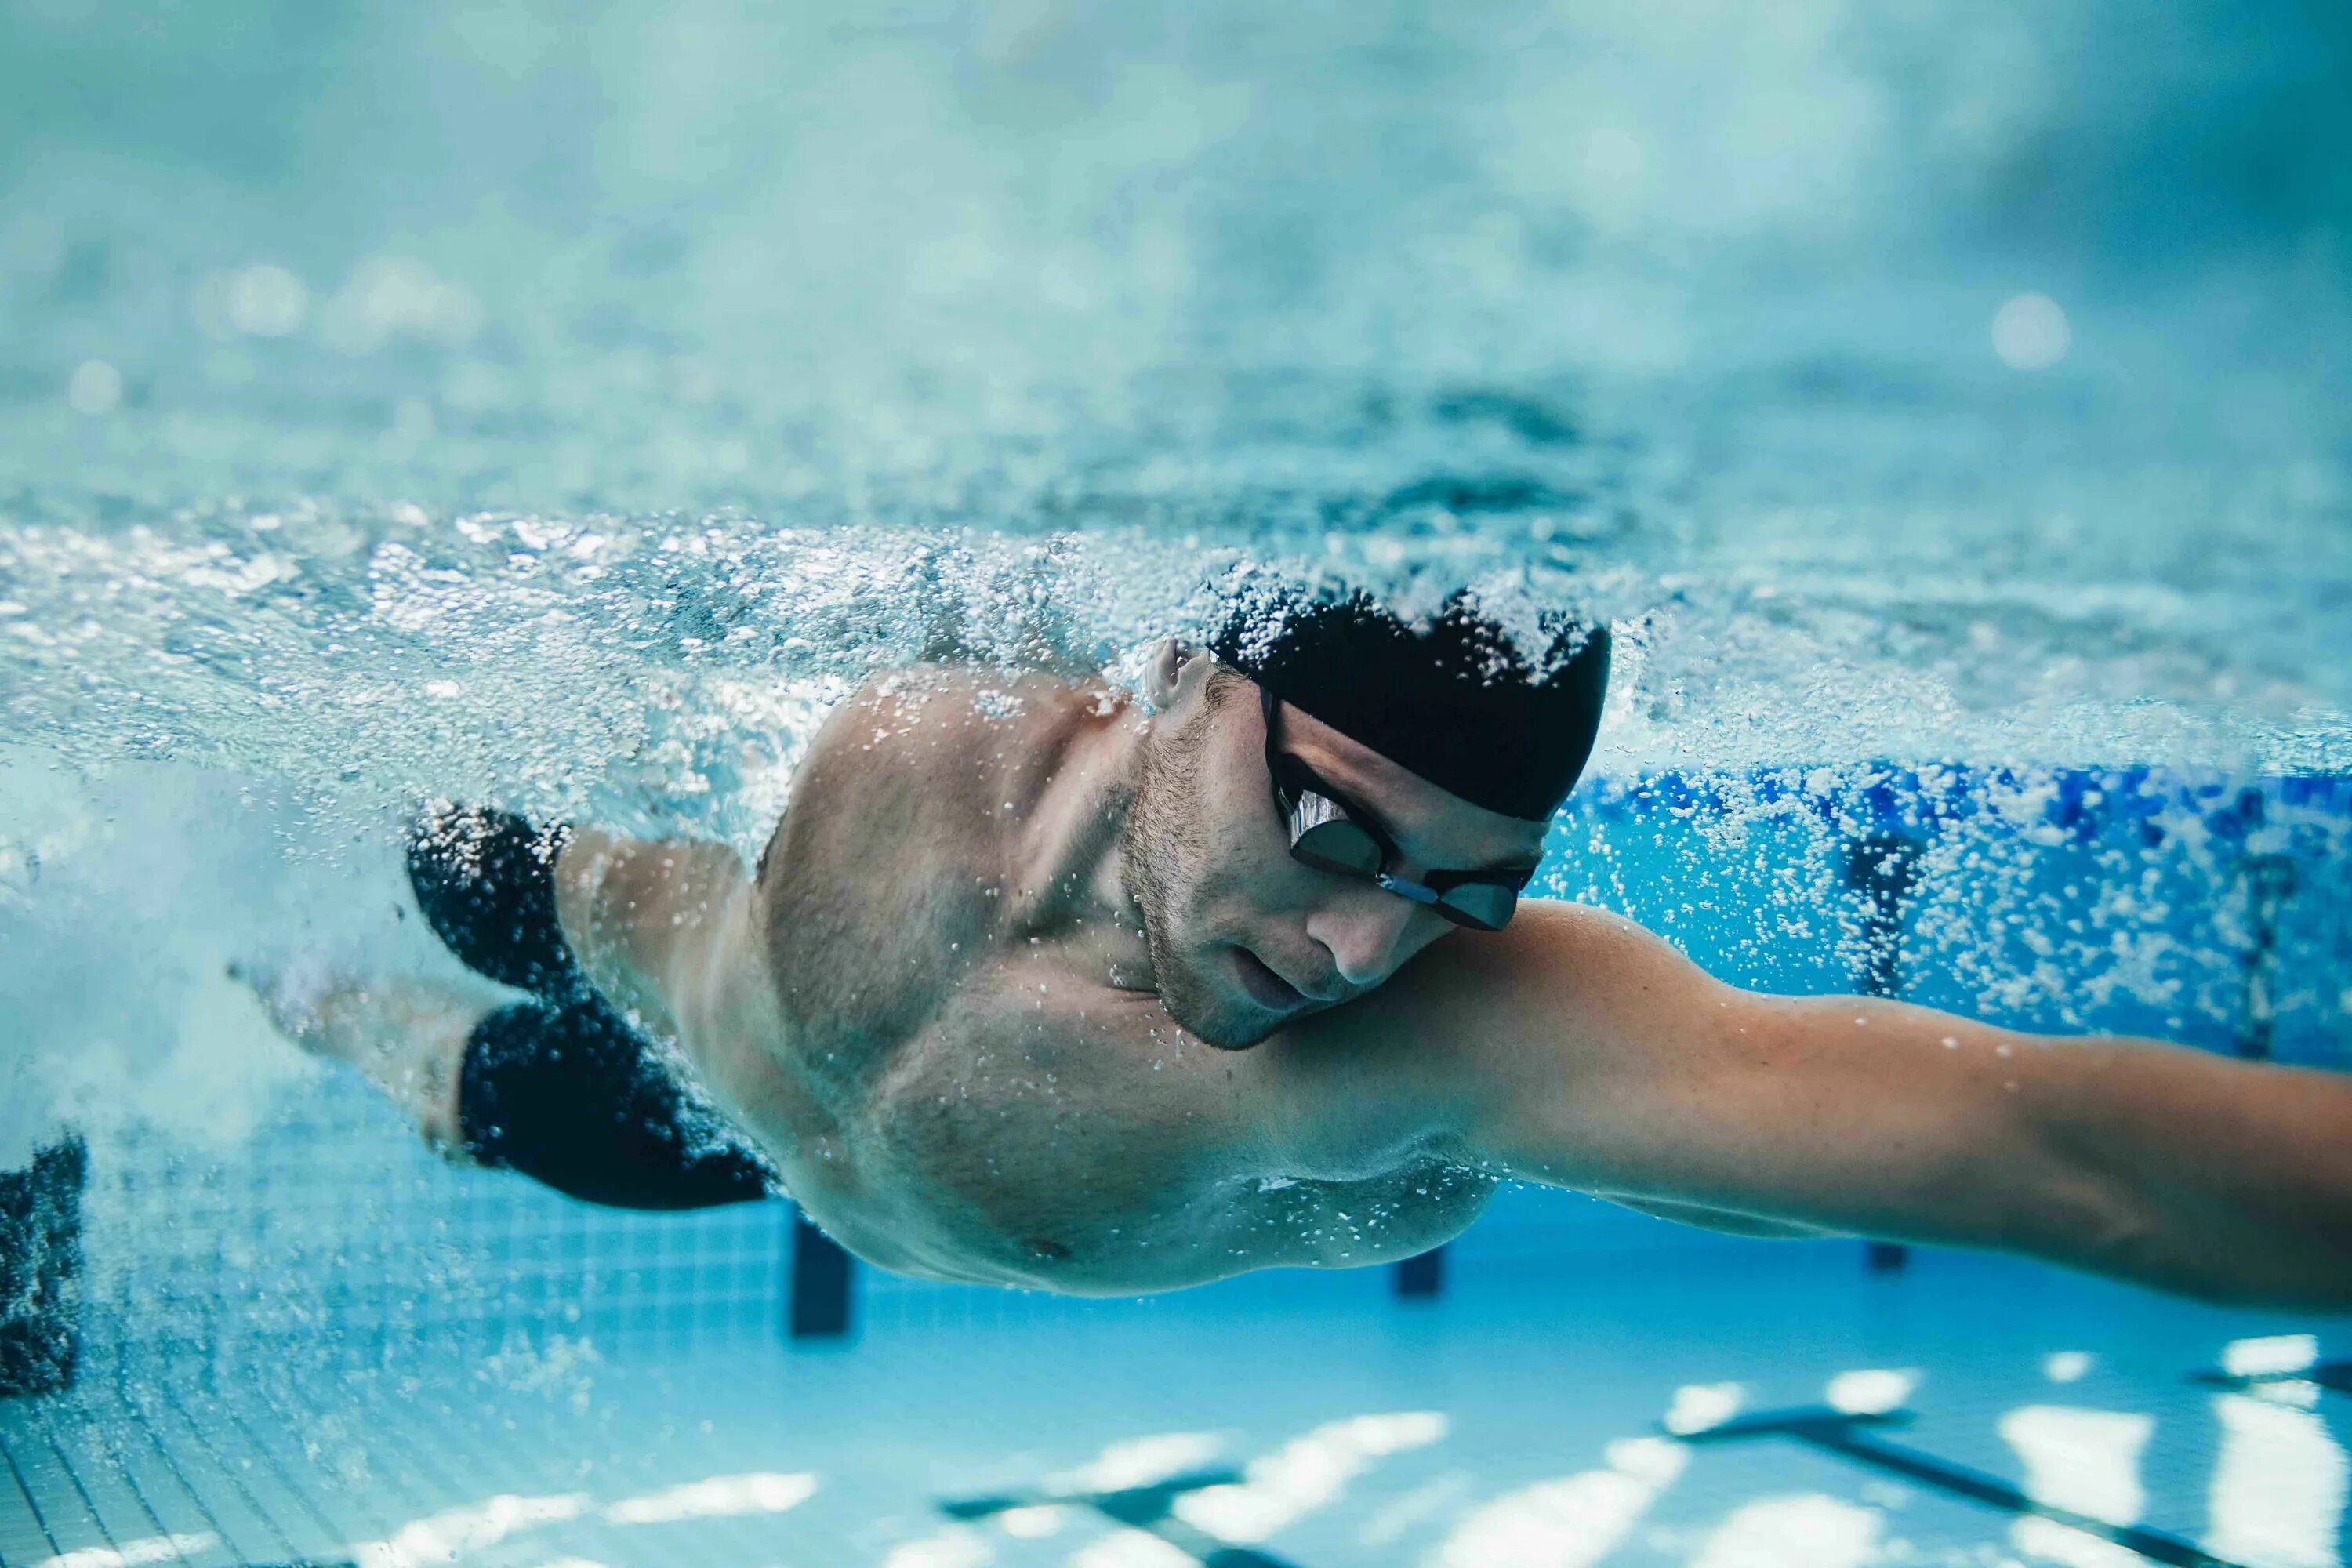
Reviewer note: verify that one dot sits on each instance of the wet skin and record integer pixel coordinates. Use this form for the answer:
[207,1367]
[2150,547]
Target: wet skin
[934,1005]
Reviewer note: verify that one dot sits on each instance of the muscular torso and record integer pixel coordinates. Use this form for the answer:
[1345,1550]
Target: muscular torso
[951,1057]
[932,1008]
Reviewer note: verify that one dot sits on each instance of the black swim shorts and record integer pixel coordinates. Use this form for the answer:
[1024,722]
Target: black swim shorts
[559,1088]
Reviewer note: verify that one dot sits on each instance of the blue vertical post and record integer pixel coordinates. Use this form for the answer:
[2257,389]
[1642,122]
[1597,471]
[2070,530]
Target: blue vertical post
[818,1303]
[1421,1277]
[2270,882]
[1883,867]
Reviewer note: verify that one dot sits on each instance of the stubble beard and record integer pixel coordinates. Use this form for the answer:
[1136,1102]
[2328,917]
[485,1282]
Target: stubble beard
[1160,845]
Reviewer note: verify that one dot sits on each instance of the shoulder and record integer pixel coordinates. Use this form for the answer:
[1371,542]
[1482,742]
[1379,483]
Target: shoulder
[941,758]
[932,702]
[888,880]
[1558,958]
[1557,964]
[961,743]
[1559,996]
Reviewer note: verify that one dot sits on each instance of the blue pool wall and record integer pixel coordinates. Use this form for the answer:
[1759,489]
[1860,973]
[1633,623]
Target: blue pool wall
[2065,900]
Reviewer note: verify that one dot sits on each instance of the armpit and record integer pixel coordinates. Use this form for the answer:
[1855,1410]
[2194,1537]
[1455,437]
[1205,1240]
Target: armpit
[1350,1224]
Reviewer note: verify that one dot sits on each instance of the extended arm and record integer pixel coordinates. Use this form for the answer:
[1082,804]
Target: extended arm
[1588,1054]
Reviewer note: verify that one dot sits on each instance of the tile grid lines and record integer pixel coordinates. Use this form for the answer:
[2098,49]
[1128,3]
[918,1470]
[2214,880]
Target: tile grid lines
[33,1510]
[83,1477]
[74,1478]
[80,1473]
[229,1472]
[393,1451]
[264,1496]
[418,1461]
[171,1469]
[686,1546]
[375,1262]
[334,1534]
[274,1394]
[491,1469]
[458,1422]
[536,1434]
[536,1283]
[498,1469]
[392,1454]
[392,1470]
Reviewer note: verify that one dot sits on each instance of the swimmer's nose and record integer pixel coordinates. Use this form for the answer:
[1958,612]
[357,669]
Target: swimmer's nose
[1362,929]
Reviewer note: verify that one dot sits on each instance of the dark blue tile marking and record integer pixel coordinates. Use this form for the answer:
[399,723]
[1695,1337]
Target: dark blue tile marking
[1883,867]
[1849,1438]
[1421,1277]
[2336,1377]
[2270,882]
[1151,1509]
[819,1303]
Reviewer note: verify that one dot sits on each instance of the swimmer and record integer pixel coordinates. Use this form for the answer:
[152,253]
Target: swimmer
[1043,983]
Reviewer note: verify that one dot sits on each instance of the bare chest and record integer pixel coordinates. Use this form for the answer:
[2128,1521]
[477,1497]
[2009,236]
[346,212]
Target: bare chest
[1074,1140]
[965,1094]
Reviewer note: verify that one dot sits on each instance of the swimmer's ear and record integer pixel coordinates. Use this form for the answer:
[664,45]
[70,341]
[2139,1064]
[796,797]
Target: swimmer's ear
[1174,669]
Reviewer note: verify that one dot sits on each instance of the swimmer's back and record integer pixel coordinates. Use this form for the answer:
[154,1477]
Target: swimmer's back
[884,884]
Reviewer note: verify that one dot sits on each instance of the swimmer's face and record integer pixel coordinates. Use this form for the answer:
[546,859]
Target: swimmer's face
[1244,939]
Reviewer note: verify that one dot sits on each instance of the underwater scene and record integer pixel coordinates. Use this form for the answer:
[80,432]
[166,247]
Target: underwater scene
[1567,784]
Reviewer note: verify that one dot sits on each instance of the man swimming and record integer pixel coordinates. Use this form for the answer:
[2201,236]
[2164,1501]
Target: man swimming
[1038,984]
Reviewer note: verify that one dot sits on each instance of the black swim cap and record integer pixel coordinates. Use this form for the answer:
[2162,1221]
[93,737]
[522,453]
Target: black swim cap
[1452,698]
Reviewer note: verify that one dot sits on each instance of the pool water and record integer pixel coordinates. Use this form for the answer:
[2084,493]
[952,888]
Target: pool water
[1725,1405]
[309,1341]
[1947,406]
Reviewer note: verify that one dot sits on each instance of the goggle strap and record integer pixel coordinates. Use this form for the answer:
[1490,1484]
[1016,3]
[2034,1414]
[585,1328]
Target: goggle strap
[1404,889]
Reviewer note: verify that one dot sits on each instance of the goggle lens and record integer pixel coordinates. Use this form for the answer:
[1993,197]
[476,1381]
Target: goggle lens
[1488,906]
[1339,846]
[1324,837]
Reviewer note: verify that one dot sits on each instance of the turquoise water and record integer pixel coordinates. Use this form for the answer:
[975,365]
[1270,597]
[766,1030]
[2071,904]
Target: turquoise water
[461,376]
[1518,1423]
[1946,404]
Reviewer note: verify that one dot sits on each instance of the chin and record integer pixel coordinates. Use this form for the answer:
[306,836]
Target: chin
[1204,1009]
[1239,1036]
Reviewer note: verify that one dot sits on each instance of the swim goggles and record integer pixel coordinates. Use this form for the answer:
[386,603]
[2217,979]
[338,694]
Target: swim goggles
[1325,836]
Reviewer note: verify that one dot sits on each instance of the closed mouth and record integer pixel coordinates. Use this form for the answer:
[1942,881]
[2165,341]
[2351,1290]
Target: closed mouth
[1266,988]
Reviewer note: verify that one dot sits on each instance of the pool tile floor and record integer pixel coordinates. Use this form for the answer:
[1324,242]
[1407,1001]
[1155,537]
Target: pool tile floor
[1967,1411]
